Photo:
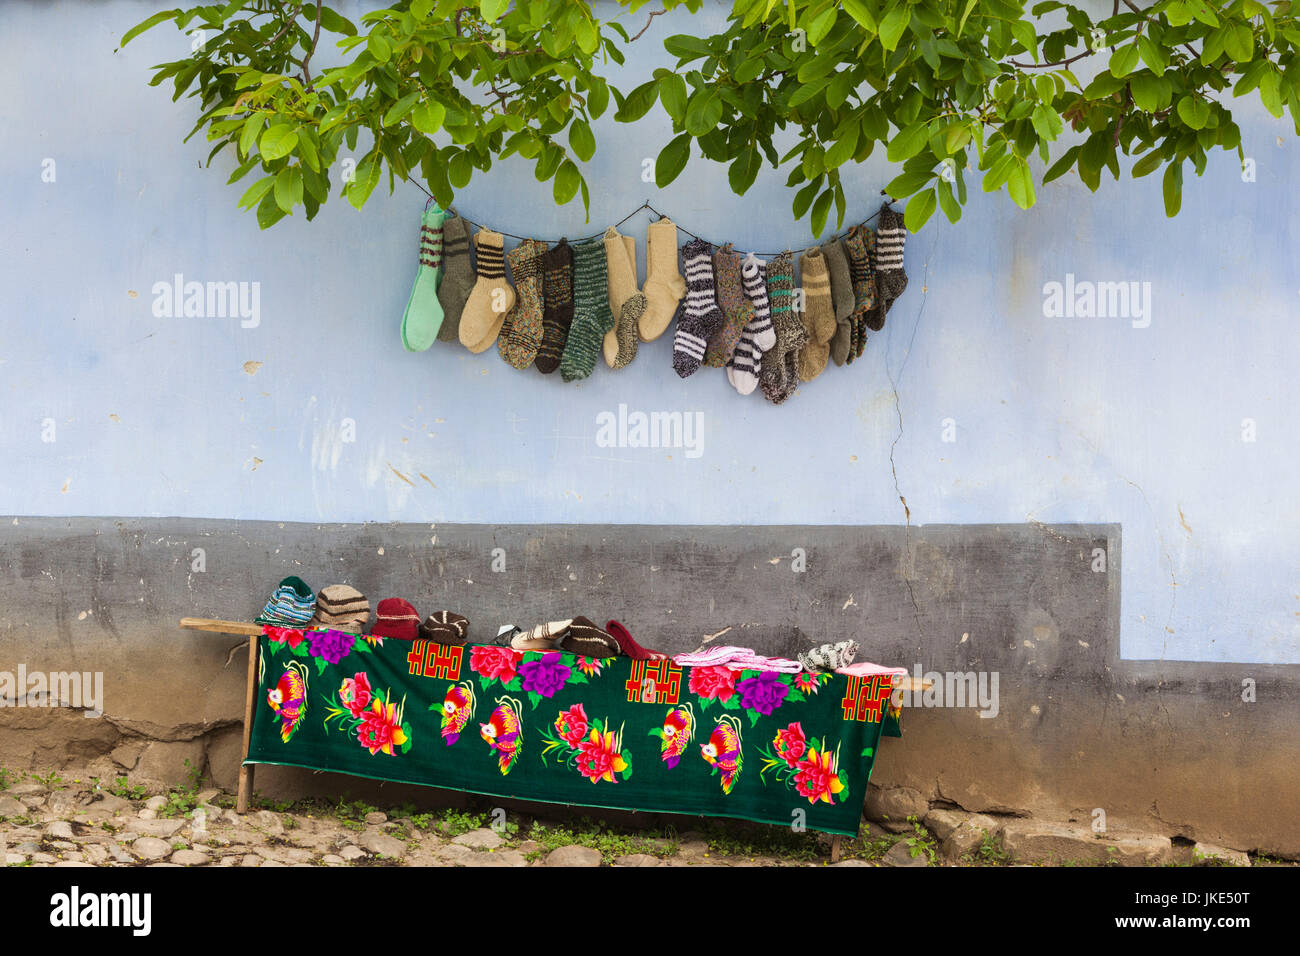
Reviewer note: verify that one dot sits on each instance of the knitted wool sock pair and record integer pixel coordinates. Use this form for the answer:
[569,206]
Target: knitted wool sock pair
[837,265]
[818,316]
[627,303]
[701,318]
[521,332]
[664,285]
[737,310]
[457,277]
[491,299]
[758,336]
[557,313]
[779,375]
[423,316]
[858,245]
[592,317]
[891,280]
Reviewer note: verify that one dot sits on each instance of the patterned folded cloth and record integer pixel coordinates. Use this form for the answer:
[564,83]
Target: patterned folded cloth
[738,658]
[291,605]
[341,607]
[827,657]
[867,669]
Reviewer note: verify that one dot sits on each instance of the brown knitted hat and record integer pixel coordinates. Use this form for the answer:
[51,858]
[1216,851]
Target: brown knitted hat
[445,627]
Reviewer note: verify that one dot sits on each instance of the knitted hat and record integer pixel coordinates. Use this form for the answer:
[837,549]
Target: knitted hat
[628,646]
[585,638]
[540,638]
[397,619]
[445,627]
[341,607]
[291,605]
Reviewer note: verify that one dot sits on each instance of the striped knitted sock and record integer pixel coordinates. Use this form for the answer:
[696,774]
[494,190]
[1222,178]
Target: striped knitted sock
[521,332]
[778,376]
[837,264]
[457,277]
[889,256]
[701,317]
[423,316]
[591,315]
[737,310]
[758,336]
[864,286]
[492,297]
[818,316]
[557,267]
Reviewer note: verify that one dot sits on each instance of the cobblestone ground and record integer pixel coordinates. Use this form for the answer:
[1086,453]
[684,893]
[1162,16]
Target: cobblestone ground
[66,819]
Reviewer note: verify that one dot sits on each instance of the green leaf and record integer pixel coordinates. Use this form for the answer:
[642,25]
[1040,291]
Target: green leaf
[672,93]
[907,143]
[821,25]
[379,47]
[918,210]
[672,160]
[947,202]
[743,171]
[1173,189]
[638,102]
[288,188]
[704,111]
[1020,185]
[401,108]
[1194,111]
[1239,42]
[820,210]
[248,135]
[567,181]
[1270,93]
[428,117]
[582,141]
[892,26]
[492,9]
[278,142]
[254,193]
[859,10]
[1153,55]
[1047,122]
[1124,60]
[148,24]
[367,177]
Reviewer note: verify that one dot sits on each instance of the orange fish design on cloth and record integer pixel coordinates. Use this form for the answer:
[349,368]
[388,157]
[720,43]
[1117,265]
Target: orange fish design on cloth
[288,698]
[457,709]
[504,733]
[678,731]
[723,751]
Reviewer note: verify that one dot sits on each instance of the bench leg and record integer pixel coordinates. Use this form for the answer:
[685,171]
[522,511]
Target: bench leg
[250,694]
[835,848]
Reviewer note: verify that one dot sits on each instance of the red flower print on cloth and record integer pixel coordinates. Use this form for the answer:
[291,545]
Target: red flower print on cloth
[495,663]
[817,778]
[713,683]
[381,728]
[599,757]
[571,725]
[791,744]
[354,694]
[288,635]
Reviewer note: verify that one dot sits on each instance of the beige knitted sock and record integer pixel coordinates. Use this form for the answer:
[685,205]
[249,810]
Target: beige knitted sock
[664,285]
[620,251]
[491,298]
[818,315]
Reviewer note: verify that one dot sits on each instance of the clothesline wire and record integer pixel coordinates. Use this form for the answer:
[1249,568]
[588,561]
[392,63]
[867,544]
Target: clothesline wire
[645,205]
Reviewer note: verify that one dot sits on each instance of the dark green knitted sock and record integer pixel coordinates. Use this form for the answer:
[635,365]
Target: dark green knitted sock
[591,315]
[457,277]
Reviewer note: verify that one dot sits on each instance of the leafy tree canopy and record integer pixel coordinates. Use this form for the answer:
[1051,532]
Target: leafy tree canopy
[950,89]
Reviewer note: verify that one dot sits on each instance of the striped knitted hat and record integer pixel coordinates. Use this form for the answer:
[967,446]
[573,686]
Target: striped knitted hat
[397,619]
[445,627]
[291,605]
[341,607]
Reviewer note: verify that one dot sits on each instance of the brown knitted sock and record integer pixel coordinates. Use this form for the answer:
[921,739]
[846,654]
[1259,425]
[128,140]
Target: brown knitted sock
[457,277]
[521,332]
[857,245]
[818,316]
[837,264]
[557,269]
[626,333]
[736,307]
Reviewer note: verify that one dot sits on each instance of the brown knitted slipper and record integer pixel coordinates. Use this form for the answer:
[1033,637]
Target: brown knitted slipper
[585,638]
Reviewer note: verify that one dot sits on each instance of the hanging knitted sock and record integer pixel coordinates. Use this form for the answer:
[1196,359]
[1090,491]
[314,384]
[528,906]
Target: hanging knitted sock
[625,301]
[423,316]
[888,263]
[837,265]
[818,315]
[664,285]
[521,332]
[591,315]
[737,310]
[701,318]
[557,268]
[758,336]
[492,298]
[864,287]
[457,277]
[778,376]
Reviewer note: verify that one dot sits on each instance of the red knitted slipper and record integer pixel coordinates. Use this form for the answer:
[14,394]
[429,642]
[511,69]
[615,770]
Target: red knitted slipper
[628,645]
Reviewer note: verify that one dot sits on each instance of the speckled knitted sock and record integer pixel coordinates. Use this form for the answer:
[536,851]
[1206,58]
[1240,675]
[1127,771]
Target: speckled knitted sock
[758,336]
[837,265]
[664,285]
[737,310]
[626,335]
[557,270]
[701,318]
[778,376]
[521,332]
[818,316]
[626,302]
[591,315]
[457,277]
[492,297]
[423,314]
[857,245]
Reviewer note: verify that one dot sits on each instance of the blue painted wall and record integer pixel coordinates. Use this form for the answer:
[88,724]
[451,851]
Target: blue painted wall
[1057,419]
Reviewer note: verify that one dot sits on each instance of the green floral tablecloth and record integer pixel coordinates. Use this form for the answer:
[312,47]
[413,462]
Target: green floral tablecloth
[560,728]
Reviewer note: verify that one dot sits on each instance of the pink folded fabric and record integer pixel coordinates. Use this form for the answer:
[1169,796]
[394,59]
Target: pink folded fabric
[867,669]
[781,665]
[738,658]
